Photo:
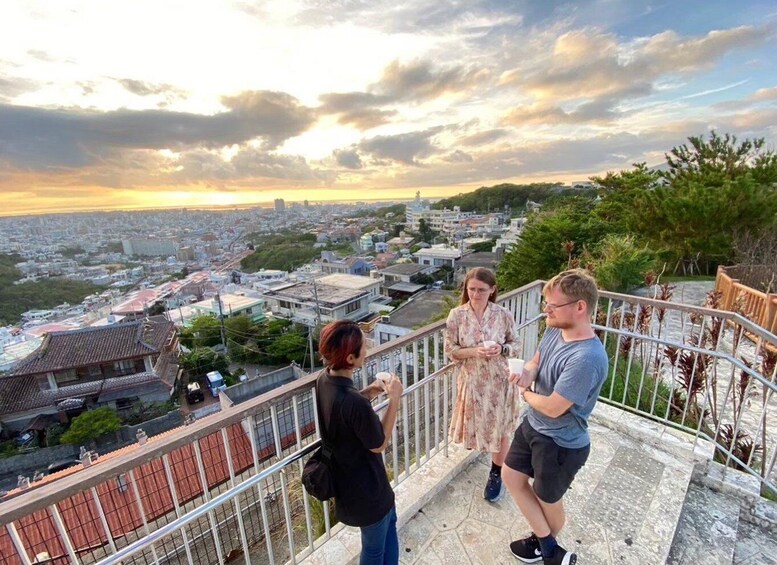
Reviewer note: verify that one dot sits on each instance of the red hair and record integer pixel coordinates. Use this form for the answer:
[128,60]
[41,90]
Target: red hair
[337,341]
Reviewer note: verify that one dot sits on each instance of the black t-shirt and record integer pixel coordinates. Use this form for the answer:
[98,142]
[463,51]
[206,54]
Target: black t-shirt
[363,494]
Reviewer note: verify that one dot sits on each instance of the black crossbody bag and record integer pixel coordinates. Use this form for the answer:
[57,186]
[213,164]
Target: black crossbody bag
[317,476]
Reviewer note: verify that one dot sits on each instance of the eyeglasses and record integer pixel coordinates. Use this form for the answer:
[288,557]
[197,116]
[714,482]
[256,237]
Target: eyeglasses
[478,290]
[551,307]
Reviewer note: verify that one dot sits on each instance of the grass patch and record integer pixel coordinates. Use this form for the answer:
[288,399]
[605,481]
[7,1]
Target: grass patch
[681,278]
[616,386]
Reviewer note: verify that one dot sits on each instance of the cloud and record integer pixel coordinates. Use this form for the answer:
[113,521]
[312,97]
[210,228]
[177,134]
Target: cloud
[418,80]
[360,109]
[590,112]
[12,87]
[403,148]
[459,156]
[144,88]
[484,137]
[764,94]
[595,72]
[414,82]
[423,16]
[39,138]
[348,158]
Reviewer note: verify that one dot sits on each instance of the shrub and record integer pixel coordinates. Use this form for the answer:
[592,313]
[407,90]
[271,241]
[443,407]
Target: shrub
[90,425]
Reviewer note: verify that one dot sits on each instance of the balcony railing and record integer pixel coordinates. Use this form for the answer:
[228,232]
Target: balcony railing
[227,487]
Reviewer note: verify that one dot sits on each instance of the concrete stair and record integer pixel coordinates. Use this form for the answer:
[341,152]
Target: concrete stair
[707,531]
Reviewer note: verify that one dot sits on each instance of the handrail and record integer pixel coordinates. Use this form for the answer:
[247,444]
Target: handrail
[249,483]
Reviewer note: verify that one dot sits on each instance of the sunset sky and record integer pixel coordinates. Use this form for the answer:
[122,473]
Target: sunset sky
[107,104]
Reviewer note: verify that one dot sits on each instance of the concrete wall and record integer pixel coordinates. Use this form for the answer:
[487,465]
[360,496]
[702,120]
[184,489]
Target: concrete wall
[172,419]
[263,383]
[38,459]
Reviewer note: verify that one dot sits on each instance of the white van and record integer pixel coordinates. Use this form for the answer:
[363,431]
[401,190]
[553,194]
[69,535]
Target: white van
[216,383]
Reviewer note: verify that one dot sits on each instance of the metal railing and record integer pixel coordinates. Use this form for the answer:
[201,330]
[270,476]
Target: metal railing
[707,372]
[92,514]
[227,487]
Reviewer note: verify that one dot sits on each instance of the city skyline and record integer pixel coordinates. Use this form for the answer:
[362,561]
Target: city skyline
[168,105]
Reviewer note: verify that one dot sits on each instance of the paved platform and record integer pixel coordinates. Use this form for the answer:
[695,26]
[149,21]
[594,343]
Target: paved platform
[634,503]
[623,509]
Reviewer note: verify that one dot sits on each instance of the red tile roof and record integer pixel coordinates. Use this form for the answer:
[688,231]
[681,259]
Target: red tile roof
[92,346]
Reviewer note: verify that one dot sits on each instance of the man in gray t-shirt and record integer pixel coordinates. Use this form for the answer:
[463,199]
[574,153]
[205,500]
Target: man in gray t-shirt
[552,444]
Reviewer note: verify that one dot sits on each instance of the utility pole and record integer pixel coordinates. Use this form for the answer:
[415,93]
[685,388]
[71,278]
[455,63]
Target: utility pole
[221,318]
[316,325]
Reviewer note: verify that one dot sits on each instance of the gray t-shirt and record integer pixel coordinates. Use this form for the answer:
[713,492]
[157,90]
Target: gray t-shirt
[576,370]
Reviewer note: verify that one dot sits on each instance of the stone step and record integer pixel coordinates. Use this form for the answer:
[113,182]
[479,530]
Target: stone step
[707,530]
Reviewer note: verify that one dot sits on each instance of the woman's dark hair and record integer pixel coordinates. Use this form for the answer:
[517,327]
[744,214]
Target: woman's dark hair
[337,341]
[483,275]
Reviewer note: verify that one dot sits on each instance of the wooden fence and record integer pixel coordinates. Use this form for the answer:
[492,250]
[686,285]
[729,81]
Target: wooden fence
[759,307]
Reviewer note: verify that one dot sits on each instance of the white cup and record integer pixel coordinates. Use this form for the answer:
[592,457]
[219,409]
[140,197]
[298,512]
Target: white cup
[489,344]
[516,366]
[384,377]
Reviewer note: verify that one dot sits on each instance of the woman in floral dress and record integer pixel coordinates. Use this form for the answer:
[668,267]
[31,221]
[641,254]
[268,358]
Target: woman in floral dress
[487,405]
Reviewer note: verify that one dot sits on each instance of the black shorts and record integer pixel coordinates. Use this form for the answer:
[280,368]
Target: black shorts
[552,467]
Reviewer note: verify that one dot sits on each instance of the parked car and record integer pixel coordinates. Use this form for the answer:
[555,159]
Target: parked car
[26,439]
[62,465]
[194,393]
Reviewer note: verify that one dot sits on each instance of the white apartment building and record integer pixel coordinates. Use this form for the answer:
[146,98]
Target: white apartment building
[149,247]
[435,219]
[438,256]
[330,298]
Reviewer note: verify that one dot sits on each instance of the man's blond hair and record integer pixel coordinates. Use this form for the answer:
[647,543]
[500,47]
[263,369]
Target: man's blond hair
[575,284]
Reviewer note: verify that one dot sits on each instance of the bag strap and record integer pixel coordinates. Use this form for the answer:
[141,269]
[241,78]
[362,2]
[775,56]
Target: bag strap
[327,442]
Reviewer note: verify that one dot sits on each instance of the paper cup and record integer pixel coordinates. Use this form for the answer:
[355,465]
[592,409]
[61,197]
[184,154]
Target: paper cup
[516,366]
[489,343]
[383,376]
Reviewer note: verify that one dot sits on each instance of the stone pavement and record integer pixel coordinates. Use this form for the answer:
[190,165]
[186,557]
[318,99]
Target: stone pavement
[638,501]
[622,509]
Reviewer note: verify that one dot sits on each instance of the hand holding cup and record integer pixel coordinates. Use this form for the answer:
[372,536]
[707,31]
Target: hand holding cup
[491,348]
[517,374]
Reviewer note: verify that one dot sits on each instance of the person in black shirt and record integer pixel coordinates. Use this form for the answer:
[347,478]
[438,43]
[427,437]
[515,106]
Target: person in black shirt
[363,494]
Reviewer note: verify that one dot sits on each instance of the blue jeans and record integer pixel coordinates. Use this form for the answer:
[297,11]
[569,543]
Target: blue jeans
[380,545]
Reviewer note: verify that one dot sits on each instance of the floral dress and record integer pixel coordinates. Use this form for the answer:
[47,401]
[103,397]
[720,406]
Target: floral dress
[487,405]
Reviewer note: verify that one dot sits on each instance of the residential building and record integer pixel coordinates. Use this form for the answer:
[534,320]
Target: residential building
[472,260]
[415,313]
[310,302]
[404,279]
[232,305]
[115,365]
[149,247]
[365,242]
[280,205]
[330,265]
[438,256]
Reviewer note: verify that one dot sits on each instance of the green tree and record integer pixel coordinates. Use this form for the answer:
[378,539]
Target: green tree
[720,158]
[489,198]
[204,331]
[484,247]
[619,263]
[618,192]
[46,293]
[203,360]
[291,346]
[693,224]
[90,425]
[425,233]
[551,241]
